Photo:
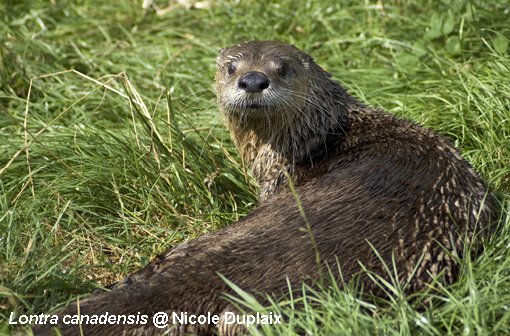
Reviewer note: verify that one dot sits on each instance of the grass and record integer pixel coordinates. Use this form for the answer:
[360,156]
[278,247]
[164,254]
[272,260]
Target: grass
[107,165]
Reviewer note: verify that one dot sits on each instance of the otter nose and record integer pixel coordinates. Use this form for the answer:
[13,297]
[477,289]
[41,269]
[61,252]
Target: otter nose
[253,81]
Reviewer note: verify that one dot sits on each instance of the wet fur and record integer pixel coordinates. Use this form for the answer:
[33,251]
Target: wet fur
[363,177]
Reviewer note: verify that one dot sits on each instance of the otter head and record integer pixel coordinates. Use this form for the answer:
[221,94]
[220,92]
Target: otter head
[278,103]
[262,79]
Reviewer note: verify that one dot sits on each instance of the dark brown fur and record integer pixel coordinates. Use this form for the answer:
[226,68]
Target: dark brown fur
[363,177]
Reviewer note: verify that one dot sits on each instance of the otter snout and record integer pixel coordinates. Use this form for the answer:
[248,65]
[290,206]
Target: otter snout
[253,82]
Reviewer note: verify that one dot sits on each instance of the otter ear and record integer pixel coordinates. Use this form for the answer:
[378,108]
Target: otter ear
[309,63]
[306,60]
[221,55]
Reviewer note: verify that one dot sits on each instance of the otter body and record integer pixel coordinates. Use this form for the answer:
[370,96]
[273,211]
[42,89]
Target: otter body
[365,179]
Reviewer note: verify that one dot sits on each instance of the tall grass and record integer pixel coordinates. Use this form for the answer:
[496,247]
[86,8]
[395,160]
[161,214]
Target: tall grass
[112,149]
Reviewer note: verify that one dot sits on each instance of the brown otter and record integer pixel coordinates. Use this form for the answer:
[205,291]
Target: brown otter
[365,179]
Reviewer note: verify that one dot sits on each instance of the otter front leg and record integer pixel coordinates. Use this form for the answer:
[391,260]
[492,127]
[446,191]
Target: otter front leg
[227,326]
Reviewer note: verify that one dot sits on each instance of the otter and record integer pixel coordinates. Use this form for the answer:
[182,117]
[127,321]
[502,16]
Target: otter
[341,185]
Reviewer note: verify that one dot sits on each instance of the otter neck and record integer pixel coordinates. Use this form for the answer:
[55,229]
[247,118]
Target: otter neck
[290,142]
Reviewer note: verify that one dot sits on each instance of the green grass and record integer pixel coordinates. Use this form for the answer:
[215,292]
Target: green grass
[105,166]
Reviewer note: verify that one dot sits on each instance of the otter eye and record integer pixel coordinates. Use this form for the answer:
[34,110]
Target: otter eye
[283,69]
[231,68]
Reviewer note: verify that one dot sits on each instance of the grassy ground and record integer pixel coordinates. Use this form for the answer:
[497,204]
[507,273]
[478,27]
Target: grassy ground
[107,165]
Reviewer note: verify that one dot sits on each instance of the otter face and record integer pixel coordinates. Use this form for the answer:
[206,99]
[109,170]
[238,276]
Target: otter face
[259,79]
